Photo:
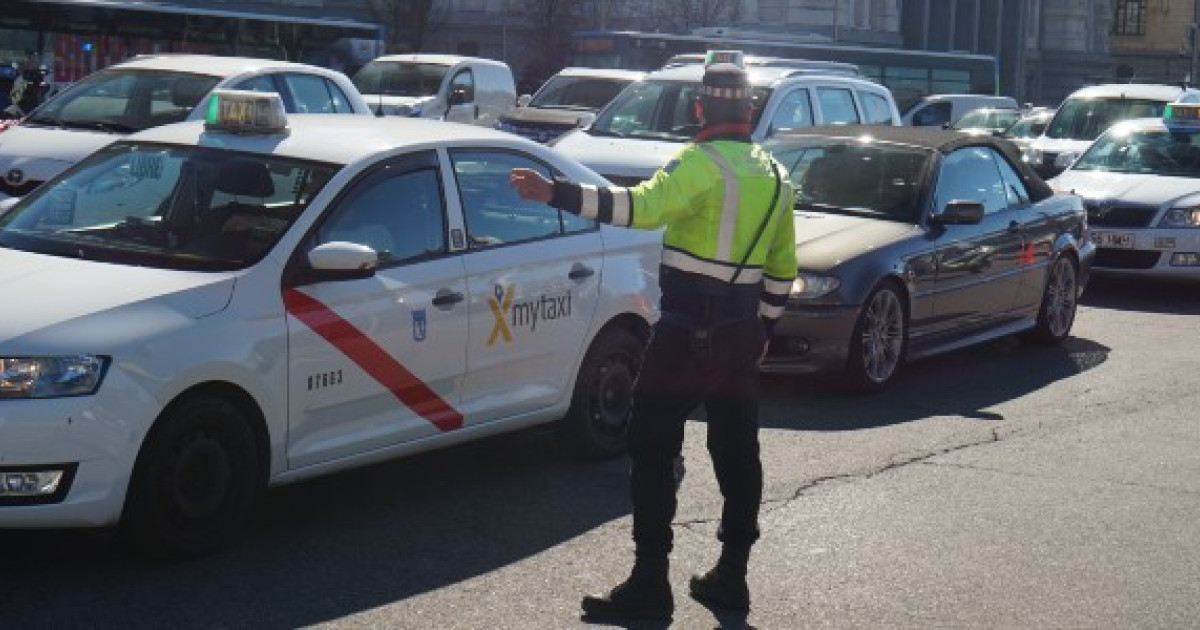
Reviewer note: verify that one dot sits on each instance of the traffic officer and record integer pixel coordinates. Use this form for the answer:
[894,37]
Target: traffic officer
[727,267]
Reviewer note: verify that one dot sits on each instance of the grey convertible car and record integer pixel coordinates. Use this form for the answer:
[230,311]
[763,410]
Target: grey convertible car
[915,241]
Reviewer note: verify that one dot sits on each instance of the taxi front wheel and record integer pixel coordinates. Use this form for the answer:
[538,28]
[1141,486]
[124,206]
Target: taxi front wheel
[195,481]
[599,415]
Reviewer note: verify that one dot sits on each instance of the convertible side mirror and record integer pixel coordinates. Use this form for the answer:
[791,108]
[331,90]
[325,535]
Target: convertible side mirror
[959,212]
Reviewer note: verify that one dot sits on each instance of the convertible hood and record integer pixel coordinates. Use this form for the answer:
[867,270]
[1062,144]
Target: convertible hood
[1149,190]
[622,157]
[42,291]
[824,241]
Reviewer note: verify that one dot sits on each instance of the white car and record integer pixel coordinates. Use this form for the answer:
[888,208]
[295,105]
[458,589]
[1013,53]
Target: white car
[200,311]
[1140,181]
[647,123]
[454,88]
[567,100]
[149,91]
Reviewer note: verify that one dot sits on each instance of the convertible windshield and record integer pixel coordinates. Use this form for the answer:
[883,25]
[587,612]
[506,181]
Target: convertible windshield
[1084,119]
[582,93]
[395,78]
[660,110]
[1154,151]
[168,207]
[125,101]
[844,176]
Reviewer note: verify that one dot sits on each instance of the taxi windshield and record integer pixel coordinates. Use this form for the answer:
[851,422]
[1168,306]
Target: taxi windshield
[170,207]
[1086,118]
[1151,151]
[660,110]
[580,93]
[397,78]
[839,176]
[124,101]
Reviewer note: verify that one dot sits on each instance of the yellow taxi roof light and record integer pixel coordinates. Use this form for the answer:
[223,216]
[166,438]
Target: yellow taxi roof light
[243,111]
[735,57]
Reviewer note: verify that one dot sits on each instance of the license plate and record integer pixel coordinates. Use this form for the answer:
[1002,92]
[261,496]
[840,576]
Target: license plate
[1117,240]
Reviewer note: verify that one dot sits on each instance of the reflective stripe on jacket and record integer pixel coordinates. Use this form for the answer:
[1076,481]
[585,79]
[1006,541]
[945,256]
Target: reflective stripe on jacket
[711,198]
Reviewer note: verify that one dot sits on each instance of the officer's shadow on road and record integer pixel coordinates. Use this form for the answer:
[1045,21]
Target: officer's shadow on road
[966,383]
[330,547]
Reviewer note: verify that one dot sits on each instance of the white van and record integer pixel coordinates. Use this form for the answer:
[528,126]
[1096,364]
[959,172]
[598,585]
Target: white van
[937,110]
[448,87]
[1088,112]
[647,123]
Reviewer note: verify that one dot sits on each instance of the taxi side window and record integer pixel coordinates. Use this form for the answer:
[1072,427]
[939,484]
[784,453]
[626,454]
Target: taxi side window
[493,211]
[970,174]
[398,211]
[1014,187]
[837,106]
[260,83]
[463,83]
[879,112]
[794,112]
[315,94]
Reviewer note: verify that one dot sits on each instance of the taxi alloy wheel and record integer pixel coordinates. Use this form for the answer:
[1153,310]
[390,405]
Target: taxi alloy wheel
[1059,302]
[195,481]
[599,415]
[877,343]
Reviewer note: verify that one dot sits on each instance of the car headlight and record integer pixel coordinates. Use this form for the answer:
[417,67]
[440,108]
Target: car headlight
[807,286]
[51,377]
[1181,218]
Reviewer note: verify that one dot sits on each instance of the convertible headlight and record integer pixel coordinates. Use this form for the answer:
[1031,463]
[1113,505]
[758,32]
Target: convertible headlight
[807,286]
[51,377]
[1181,218]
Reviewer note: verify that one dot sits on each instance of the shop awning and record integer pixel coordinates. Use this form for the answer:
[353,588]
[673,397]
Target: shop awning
[167,7]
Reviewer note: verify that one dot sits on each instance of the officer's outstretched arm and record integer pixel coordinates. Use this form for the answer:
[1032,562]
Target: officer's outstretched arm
[779,269]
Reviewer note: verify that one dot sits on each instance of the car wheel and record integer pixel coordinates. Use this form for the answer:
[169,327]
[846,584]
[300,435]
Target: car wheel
[1059,302]
[599,415]
[194,483]
[877,343]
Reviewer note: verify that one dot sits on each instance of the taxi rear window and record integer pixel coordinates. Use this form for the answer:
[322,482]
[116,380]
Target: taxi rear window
[174,207]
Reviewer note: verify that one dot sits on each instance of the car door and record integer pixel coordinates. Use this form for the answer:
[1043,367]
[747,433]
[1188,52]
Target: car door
[460,97]
[533,274]
[379,361]
[1039,230]
[978,266]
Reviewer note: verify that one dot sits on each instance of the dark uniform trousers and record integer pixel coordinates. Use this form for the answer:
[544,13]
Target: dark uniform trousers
[673,382]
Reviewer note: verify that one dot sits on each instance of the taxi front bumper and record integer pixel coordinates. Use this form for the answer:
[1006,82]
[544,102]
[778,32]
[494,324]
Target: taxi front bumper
[94,439]
[811,339]
[1155,252]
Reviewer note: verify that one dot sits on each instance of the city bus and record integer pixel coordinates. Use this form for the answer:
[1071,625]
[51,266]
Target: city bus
[909,74]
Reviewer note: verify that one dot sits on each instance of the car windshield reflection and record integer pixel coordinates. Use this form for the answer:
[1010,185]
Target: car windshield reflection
[1156,152]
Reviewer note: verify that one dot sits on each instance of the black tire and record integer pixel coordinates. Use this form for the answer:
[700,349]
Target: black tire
[1059,302]
[195,481]
[878,342]
[595,425]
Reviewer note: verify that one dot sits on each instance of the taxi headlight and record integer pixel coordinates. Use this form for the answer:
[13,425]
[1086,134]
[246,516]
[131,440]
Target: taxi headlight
[807,286]
[51,377]
[1181,218]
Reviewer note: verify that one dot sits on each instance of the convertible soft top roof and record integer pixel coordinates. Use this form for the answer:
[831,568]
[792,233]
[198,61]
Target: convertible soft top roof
[934,139]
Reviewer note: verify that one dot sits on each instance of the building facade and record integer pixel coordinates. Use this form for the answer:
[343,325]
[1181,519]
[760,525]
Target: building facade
[1152,41]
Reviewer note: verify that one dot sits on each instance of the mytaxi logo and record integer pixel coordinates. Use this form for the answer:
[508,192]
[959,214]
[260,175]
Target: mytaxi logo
[500,306]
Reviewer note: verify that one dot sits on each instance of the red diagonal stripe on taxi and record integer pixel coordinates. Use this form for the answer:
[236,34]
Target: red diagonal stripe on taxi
[380,365]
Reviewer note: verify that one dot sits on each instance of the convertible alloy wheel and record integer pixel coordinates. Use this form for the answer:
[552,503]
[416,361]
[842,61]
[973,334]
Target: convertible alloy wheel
[877,344]
[1060,298]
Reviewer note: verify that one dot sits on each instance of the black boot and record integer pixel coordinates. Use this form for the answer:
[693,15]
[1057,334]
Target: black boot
[645,595]
[725,585]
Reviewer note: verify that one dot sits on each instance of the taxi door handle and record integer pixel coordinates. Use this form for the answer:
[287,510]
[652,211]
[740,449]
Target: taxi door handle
[446,298]
[579,271]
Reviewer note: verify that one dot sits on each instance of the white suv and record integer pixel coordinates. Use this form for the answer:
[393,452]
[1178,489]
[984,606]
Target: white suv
[149,91]
[643,127]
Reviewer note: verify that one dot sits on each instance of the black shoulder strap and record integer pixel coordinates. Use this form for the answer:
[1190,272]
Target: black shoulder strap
[763,226]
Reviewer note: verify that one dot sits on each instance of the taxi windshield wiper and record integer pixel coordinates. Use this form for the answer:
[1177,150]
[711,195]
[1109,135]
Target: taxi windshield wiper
[100,125]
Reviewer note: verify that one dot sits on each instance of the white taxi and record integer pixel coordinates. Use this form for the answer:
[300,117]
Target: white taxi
[1140,181]
[203,310]
[148,91]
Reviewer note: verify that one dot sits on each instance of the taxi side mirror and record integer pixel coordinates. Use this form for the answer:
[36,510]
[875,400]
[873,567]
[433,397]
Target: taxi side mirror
[959,212]
[339,260]
[524,99]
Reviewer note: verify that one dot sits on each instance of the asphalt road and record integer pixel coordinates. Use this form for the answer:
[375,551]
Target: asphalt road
[1001,486]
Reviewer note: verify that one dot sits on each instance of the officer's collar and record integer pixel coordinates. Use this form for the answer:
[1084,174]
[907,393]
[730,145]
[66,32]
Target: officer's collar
[739,132]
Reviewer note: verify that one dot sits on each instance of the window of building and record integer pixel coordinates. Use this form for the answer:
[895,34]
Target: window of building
[1131,17]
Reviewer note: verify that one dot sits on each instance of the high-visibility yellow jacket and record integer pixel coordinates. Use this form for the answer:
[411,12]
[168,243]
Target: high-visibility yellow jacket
[712,198]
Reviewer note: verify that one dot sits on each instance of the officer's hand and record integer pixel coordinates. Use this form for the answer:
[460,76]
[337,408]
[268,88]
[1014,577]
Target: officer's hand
[531,185]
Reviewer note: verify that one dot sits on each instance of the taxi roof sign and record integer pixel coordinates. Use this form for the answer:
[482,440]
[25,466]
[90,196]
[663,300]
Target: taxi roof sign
[735,57]
[1182,117]
[246,112]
